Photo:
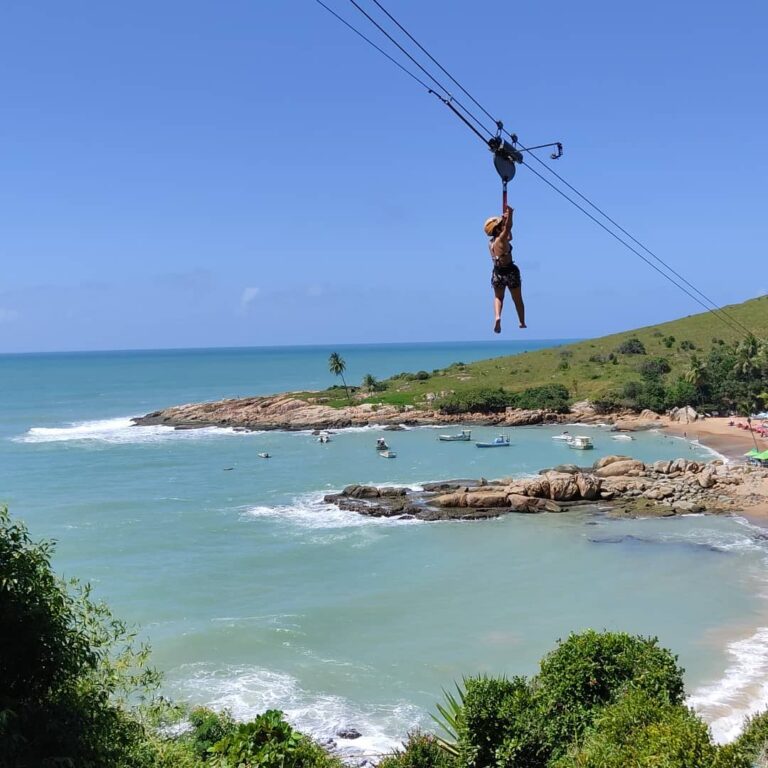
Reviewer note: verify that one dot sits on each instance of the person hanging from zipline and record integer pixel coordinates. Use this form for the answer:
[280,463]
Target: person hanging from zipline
[506,273]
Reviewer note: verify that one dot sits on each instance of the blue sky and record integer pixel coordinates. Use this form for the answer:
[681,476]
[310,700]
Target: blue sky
[247,173]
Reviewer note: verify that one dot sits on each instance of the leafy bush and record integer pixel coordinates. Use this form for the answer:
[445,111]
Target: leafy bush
[654,367]
[497,726]
[552,397]
[269,741]
[592,669]
[681,393]
[607,403]
[753,741]
[480,400]
[631,346]
[668,341]
[208,727]
[420,751]
[687,346]
[422,375]
[66,667]
[609,358]
[643,731]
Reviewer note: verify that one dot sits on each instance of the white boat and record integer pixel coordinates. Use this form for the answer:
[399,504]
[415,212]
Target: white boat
[381,444]
[264,456]
[464,436]
[502,441]
[324,438]
[388,455]
[565,437]
[622,436]
[580,442]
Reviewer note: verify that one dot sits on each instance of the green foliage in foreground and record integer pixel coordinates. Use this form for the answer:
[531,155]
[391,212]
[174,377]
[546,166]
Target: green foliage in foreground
[600,700]
[75,692]
[67,667]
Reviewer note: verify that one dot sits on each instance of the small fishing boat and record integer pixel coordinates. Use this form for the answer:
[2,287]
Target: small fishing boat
[381,444]
[622,436]
[502,441]
[324,438]
[388,455]
[264,456]
[580,442]
[565,436]
[464,436]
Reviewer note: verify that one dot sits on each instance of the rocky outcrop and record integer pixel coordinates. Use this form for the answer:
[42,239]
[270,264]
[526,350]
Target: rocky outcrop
[621,485]
[290,412]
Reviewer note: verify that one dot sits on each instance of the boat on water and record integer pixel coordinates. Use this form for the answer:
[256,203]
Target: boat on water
[264,456]
[381,444]
[502,441]
[324,438]
[565,436]
[580,442]
[622,436]
[464,436]
[388,455]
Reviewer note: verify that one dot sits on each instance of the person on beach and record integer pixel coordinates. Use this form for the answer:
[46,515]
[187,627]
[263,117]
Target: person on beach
[506,273]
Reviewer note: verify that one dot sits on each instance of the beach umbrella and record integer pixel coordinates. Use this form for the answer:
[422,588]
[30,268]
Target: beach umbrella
[752,453]
[762,456]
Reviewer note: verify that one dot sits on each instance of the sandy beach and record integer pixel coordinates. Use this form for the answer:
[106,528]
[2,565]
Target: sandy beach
[715,433]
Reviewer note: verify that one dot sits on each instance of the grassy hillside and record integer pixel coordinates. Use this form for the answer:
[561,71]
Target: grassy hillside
[588,369]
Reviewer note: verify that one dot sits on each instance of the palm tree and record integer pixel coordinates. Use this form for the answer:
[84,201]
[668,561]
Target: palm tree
[369,382]
[337,366]
[746,407]
[696,374]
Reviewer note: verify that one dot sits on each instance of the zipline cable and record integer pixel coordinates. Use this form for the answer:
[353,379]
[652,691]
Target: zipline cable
[449,100]
[600,224]
[448,94]
[715,308]
[438,64]
[371,43]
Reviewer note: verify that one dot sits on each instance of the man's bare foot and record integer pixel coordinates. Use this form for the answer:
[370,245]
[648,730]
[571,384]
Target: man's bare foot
[523,325]
[497,326]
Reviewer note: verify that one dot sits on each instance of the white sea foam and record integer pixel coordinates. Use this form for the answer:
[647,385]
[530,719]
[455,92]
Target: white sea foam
[742,691]
[310,511]
[120,431]
[248,691]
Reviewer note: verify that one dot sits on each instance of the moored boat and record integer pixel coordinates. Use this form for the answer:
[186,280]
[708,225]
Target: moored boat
[381,444]
[580,442]
[565,436]
[388,455]
[264,456]
[464,436]
[502,441]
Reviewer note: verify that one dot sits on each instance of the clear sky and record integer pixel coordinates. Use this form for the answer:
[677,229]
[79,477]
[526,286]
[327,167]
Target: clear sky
[249,172]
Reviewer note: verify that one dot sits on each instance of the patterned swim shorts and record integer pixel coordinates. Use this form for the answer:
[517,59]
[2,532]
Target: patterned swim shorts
[508,276]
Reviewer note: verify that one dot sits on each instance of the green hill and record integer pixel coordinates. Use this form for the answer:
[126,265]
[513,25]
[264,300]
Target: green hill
[588,369]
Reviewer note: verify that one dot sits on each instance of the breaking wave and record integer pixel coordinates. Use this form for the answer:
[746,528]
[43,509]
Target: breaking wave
[248,691]
[120,431]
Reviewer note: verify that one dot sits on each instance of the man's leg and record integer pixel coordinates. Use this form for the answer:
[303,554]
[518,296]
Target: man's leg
[498,305]
[517,297]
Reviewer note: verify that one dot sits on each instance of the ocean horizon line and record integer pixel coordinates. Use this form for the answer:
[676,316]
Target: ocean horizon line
[337,344]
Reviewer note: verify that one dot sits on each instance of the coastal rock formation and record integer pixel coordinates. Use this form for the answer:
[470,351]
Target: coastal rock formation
[621,485]
[289,412]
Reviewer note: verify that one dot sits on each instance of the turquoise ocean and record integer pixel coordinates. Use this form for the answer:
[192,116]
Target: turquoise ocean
[255,594]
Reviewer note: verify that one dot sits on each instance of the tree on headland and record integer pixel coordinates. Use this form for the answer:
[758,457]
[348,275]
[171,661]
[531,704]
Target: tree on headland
[370,383]
[337,366]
